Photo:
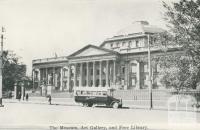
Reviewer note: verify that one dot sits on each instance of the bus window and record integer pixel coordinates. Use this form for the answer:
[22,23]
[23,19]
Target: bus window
[84,93]
[78,92]
[88,93]
[98,92]
[94,93]
[104,93]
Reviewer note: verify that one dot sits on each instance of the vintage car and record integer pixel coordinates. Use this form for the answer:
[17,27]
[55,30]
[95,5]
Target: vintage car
[89,96]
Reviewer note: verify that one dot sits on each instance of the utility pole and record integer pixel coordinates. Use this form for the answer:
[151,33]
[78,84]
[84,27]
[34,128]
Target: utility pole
[149,67]
[127,65]
[1,68]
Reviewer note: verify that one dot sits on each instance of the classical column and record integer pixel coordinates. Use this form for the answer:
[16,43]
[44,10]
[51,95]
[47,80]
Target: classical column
[22,91]
[100,73]
[46,76]
[87,79]
[126,76]
[61,79]
[39,75]
[114,72]
[69,77]
[33,77]
[93,74]
[107,73]
[138,75]
[53,76]
[75,77]
[81,74]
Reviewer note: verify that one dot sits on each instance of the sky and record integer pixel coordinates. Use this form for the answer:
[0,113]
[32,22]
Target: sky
[38,29]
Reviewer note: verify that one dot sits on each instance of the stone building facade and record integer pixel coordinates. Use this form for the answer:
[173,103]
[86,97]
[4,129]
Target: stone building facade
[120,62]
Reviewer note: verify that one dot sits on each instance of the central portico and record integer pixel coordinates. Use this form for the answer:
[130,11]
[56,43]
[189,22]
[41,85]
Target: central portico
[93,66]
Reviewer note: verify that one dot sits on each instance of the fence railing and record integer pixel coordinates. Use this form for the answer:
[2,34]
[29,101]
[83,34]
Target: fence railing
[156,94]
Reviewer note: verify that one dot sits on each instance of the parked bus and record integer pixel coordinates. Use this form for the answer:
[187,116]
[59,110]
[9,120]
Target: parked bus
[89,96]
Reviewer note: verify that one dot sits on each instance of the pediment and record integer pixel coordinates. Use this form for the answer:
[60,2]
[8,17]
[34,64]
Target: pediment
[91,50]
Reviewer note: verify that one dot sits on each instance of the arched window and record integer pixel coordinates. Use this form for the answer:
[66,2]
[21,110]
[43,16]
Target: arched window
[136,43]
[123,44]
[117,44]
[111,45]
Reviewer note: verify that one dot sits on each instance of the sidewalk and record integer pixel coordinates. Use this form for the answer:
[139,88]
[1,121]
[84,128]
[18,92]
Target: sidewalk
[70,102]
[44,100]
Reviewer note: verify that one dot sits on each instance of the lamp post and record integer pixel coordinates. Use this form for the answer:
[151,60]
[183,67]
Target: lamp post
[1,67]
[149,69]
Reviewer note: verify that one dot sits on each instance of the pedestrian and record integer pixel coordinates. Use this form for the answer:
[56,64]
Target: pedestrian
[49,99]
[10,94]
[19,96]
[27,97]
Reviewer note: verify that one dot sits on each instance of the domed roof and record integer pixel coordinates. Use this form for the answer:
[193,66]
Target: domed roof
[139,27]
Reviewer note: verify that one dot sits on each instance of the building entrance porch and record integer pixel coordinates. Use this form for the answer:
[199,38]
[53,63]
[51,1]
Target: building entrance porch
[93,74]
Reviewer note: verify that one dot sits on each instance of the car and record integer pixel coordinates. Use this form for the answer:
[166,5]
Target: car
[90,96]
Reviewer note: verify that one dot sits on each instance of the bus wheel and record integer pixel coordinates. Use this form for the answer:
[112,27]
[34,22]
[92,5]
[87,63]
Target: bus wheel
[115,105]
[85,104]
[90,105]
[120,106]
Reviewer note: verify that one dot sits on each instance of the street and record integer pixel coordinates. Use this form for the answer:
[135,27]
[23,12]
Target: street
[19,114]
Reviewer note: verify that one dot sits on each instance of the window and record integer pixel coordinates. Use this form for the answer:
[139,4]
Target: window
[117,44]
[133,68]
[85,71]
[36,75]
[145,67]
[136,43]
[91,71]
[142,44]
[123,70]
[111,45]
[123,43]
[65,72]
[97,72]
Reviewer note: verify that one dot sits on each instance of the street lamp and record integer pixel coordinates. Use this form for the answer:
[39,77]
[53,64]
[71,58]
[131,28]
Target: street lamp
[149,69]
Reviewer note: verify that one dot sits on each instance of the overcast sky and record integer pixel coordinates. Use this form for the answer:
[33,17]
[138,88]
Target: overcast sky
[40,28]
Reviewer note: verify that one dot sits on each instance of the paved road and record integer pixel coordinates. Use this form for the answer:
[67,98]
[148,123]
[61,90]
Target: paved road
[19,114]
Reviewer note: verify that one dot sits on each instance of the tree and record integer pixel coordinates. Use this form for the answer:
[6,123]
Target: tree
[13,70]
[181,71]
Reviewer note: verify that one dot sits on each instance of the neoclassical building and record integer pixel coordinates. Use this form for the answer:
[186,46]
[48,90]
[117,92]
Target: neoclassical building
[120,62]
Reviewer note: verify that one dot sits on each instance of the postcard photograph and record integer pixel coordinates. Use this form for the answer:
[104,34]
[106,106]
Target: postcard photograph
[99,64]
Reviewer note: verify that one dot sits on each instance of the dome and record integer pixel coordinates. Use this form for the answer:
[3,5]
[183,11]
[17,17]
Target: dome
[139,27]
